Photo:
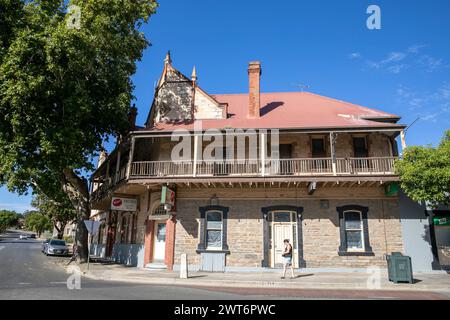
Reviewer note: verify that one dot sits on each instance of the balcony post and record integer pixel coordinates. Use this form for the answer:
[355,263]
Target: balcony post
[333,136]
[117,166]
[130,158]
[194,169]
[262,150]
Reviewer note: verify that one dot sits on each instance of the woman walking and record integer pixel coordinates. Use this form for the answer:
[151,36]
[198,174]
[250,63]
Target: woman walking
[287,258]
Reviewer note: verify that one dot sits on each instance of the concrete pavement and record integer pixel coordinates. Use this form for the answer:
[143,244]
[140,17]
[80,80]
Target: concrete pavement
[423,282]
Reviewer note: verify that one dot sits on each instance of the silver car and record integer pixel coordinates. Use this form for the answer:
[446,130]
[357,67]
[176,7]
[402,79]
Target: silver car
[56,247]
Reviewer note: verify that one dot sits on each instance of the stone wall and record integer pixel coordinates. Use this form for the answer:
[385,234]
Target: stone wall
[320,227]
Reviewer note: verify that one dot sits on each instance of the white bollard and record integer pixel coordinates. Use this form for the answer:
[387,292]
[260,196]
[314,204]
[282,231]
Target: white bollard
[183,266]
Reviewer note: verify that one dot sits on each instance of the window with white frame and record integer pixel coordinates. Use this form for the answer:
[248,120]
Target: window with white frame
[214,230]
[354,231]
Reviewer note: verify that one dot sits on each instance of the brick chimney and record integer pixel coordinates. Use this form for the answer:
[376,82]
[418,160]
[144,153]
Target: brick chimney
[254,74]
[132,115]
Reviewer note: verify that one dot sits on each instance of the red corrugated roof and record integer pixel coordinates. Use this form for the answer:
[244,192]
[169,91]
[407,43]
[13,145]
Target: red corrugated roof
[290,110]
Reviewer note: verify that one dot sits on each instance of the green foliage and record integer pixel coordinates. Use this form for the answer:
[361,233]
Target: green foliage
[68,239]
[59,209]
[425,172]
[64,90]
[8,219]
[37,222]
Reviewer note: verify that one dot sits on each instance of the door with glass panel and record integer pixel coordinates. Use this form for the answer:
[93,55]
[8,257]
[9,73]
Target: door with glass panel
[283,225]
[159,249]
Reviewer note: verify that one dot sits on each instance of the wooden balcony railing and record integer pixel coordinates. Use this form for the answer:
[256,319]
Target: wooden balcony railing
[255,168]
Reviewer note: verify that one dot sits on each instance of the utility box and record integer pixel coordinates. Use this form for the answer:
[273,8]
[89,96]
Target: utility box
[399,268]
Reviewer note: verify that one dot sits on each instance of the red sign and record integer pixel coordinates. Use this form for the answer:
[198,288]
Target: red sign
[117,202]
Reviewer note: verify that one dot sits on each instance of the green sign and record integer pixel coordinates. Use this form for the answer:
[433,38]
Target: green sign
[391,189]
[441,221]
[167,196]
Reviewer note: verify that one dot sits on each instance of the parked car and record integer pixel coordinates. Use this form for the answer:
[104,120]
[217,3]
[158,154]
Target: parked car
[56,247]
[23,237]
[44,245]
[32,236]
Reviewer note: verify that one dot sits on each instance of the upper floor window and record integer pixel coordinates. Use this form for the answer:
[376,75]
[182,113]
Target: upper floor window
[285,151]
[318,147]
[360,147]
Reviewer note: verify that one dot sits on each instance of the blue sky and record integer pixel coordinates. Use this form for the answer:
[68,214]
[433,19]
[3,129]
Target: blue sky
[404,68]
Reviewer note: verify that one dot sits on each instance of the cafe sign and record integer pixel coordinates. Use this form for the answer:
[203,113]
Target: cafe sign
[123,204]
[167,196]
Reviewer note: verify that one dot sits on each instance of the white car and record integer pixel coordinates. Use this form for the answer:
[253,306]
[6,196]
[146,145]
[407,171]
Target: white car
[23,237]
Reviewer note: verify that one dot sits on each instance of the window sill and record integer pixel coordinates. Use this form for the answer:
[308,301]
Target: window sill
[212,251]
[356,253]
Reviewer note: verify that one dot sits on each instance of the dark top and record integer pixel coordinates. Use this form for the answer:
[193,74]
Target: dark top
[288,253]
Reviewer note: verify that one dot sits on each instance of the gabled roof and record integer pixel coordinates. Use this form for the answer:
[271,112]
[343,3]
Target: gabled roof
[291,110]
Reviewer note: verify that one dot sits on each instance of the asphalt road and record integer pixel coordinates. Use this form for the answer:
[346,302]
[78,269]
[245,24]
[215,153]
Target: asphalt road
[26,273]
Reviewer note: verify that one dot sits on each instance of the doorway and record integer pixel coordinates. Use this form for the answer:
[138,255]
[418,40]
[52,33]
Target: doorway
[283,225]
[159,241]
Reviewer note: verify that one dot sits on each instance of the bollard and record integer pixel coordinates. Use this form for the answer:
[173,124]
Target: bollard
[183,266]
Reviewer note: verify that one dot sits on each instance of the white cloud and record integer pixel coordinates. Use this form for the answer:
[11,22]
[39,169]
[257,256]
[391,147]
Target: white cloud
[416,48]
[432,106]
[431,63]
[354,55]
[396,69]
[394,57]
[397,61]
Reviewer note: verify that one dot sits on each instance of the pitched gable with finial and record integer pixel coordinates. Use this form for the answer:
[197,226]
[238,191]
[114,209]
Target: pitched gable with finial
[179,99]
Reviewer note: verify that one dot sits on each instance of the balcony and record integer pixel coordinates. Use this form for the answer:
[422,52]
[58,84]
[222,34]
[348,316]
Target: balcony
[375,166]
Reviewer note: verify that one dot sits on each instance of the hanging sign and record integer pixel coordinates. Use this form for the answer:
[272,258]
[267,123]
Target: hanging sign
[123,204]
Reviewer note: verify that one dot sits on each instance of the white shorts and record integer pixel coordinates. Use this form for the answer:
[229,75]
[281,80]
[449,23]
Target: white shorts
[287,260]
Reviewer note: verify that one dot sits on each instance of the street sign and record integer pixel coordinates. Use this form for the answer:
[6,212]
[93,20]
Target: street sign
[167,196]
[92,226]
[123,204]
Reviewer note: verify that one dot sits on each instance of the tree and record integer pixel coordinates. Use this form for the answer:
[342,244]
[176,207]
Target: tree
[37,222]
[59,210]
[8,219]
[64,90]
[425,172]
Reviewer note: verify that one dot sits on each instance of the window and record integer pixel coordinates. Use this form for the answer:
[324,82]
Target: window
[214,230]
[318,148]
[354,231]
[360,147]
[285,151]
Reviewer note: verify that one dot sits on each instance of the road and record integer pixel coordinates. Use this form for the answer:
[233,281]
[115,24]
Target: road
[26,273]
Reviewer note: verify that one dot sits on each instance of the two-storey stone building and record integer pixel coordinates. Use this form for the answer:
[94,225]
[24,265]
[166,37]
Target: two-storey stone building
[292,165]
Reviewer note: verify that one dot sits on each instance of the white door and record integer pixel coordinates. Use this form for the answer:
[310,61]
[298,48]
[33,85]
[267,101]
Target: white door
[160,242]
[280,233]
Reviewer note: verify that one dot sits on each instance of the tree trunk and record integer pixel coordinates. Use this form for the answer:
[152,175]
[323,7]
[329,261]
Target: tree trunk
[59,230]
[78,191]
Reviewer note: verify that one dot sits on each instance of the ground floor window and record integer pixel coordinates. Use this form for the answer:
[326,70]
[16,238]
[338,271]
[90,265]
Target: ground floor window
[214,234]
[213,229]
[354,233]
